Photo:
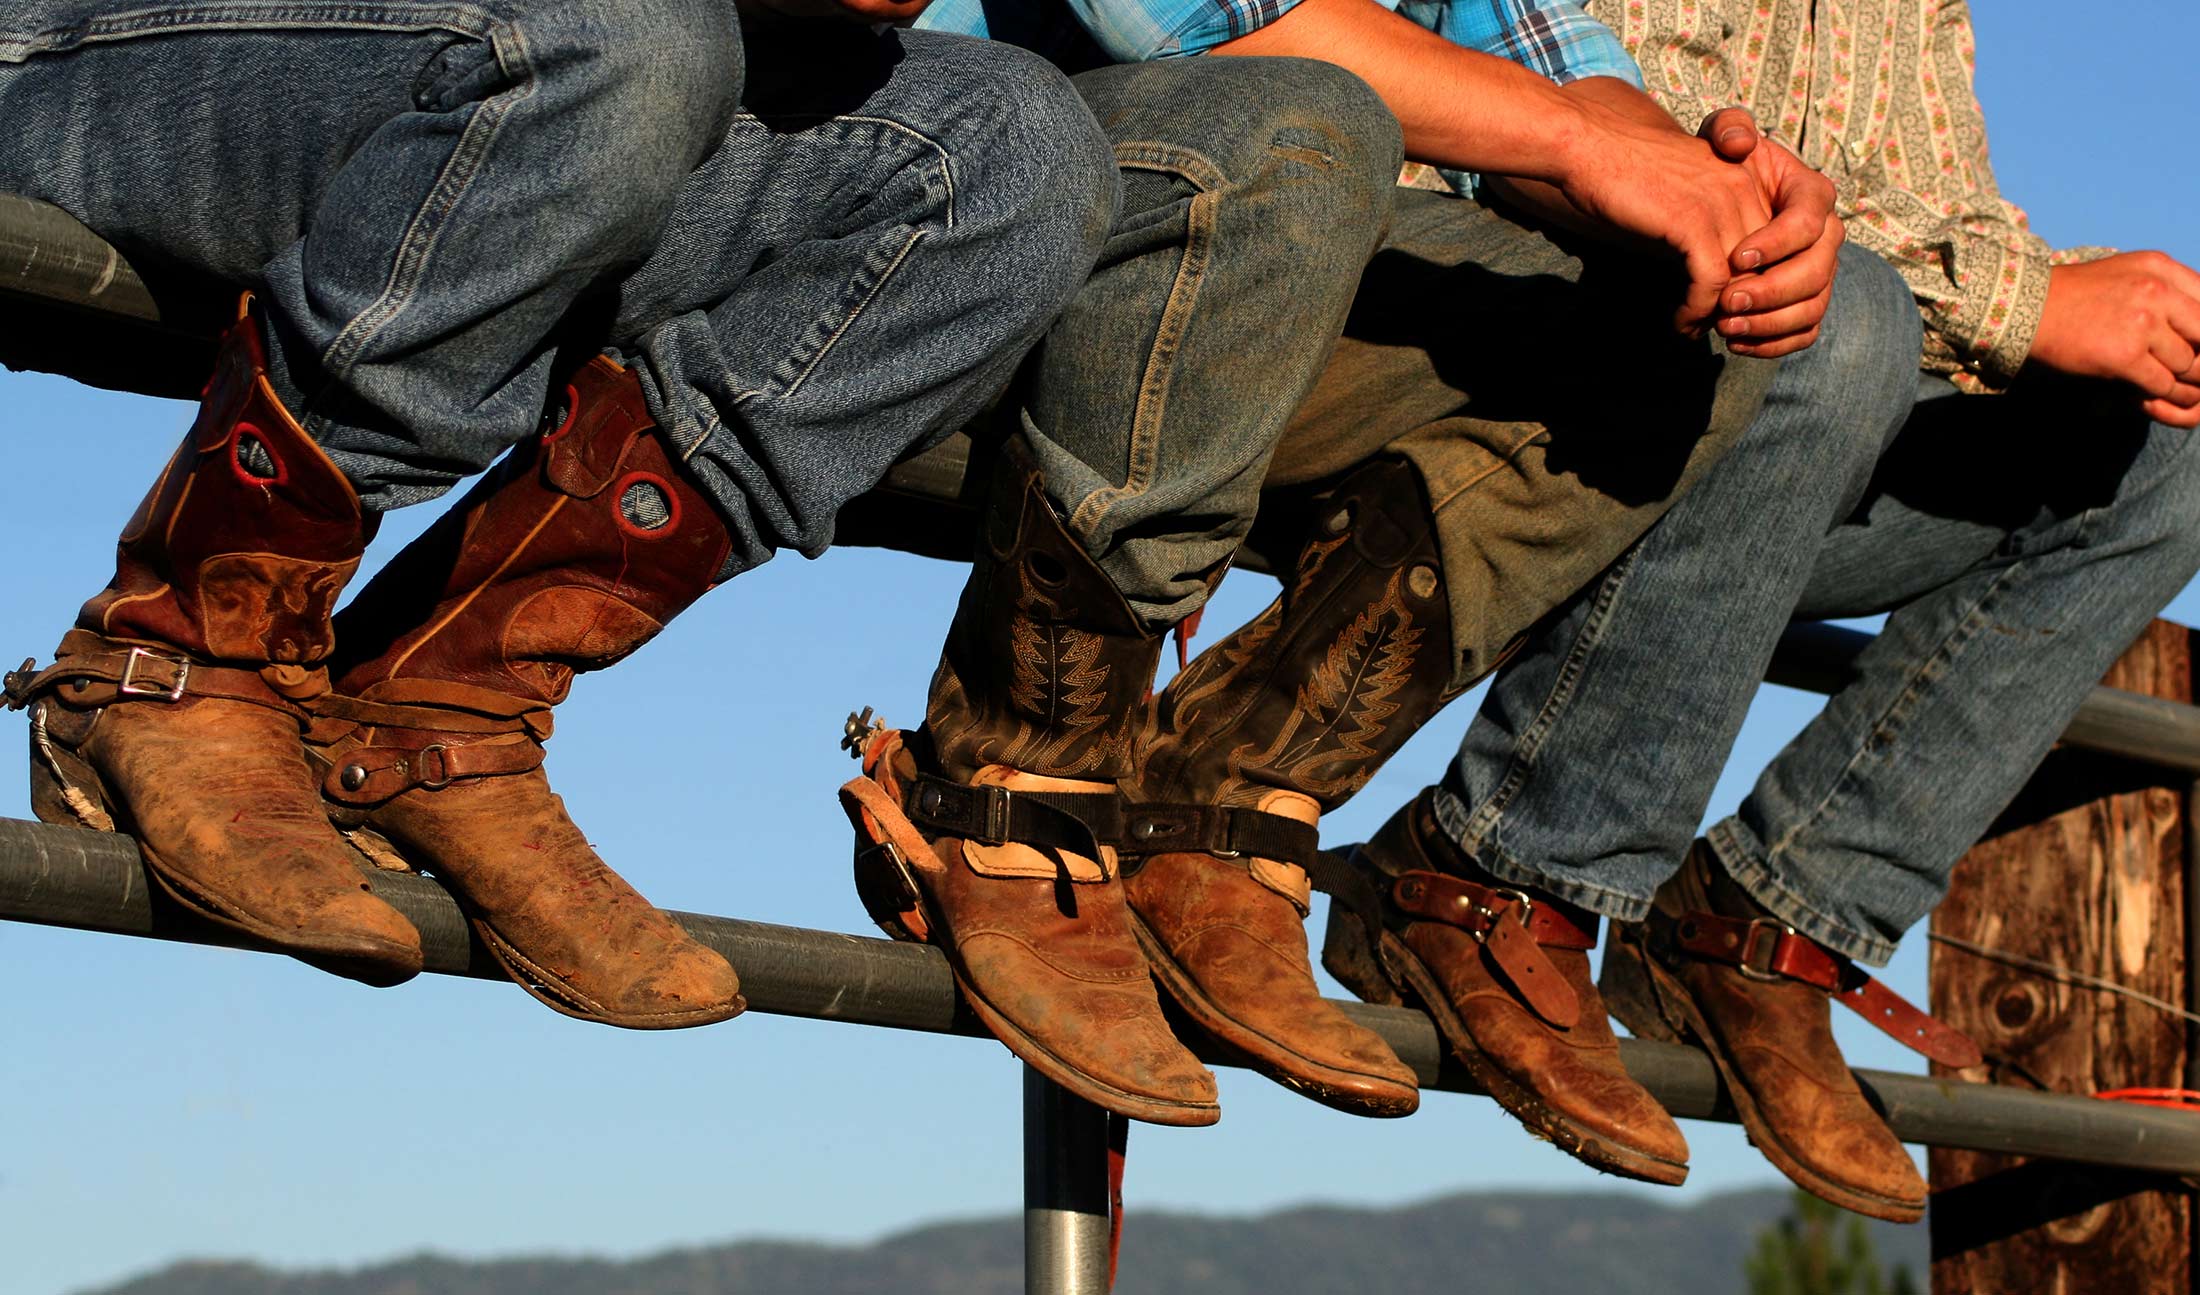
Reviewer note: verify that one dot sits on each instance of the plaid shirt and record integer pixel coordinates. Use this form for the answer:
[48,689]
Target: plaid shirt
[1877,94]
[1554,37]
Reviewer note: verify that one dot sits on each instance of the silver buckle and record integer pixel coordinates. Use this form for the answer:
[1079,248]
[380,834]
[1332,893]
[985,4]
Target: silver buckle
[1526,906]
[1749,948]
[128,686]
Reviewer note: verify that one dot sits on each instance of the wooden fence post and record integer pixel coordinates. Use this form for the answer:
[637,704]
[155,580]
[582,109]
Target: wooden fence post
[2087,871]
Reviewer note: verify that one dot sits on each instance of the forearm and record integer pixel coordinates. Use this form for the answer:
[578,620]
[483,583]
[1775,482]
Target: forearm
[1460,109]
[1540,198]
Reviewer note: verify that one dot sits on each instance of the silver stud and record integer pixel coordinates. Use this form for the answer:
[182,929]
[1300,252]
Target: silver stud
[354,777]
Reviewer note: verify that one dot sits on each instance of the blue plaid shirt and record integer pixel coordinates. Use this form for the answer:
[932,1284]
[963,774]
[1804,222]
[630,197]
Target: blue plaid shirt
[1554,37]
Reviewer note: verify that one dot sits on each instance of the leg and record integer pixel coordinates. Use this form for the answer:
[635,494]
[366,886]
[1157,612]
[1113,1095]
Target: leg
[1562,776]
[381,170]
[812,342]
[1254,191]
[2015,572]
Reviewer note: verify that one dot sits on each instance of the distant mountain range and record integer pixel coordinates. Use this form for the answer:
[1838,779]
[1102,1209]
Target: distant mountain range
[1504,1243]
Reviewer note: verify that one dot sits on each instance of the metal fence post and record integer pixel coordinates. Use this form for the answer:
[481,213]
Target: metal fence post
[1065,1191]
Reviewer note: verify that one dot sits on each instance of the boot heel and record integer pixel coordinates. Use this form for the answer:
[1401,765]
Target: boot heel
[1348,955]
[65,790]
[1630,992]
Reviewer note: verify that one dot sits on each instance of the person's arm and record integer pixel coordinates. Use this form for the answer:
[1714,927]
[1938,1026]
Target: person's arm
[1613,169]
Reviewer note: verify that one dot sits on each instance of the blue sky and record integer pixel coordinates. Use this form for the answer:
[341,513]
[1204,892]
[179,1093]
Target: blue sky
[168,1101]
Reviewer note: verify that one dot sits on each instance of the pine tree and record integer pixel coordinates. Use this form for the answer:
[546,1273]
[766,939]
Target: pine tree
[1817,1249]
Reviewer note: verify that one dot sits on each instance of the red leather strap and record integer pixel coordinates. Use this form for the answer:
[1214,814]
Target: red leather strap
[1766,950]
[1475,908]
[1513,929]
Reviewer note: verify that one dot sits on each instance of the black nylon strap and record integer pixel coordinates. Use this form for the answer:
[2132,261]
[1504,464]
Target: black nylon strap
[1079,822]
[1217,829]
[1348,882]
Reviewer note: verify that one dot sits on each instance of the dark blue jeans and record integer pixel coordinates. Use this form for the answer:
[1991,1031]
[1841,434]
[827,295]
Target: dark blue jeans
[440,204]
[2018,544]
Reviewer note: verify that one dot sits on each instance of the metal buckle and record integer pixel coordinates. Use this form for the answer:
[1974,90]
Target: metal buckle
[1524,906]
[1772,949]
[995,801]
[911,897]
[421,765]
[128,686]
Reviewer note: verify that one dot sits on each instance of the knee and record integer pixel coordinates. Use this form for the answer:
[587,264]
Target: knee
[644,89]
[1029,165]
[1333,148]
[1865,361]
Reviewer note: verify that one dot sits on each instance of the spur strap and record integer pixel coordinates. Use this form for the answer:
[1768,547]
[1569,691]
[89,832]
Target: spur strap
[1763,949]
[1078,822]
[93,671]
[1229,832]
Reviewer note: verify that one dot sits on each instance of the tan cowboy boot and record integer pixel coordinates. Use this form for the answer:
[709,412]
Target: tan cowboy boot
[1272,726]
[174,710]
[991,831]
[1504,972]
[573,552]
[1714,968]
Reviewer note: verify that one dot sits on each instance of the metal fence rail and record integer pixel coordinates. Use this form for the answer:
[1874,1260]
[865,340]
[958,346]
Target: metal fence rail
[64,876]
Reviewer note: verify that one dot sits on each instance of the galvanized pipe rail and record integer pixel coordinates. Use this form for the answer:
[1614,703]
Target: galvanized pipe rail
[94,881]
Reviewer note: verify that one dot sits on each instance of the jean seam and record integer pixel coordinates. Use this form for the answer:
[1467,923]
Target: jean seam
[1522,764]
[465,20]
[1887,729]
[425,229]
[848,321]
[1144,451]
[946,159]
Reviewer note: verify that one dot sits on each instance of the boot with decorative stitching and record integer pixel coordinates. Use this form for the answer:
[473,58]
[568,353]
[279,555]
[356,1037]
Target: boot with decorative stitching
[992,831]
[174,710]
[572,553]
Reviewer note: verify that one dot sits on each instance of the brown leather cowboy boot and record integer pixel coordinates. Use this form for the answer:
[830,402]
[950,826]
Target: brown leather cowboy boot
[1504,972]
[1712,967]
[573,552]
[1271,727]
[991,831]
[174,710]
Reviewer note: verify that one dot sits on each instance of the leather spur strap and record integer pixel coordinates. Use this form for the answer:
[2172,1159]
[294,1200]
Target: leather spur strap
[1079,822]
[1227,831]
[102,675]
[1766,950]
[1513,927]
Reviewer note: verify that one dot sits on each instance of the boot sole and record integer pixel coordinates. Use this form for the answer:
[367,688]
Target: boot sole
[74,800]
[555,993]
[1347,957]
[1653,1004]
[1339,1089]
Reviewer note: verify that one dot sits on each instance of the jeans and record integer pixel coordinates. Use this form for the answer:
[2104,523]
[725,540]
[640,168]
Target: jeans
[2018,543]
[1540,391]
[440,206]
[1255,190]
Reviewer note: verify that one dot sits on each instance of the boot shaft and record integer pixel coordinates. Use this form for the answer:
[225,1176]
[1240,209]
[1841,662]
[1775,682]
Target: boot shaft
[1045,664]
[241,548]
[571,553]
[1315,693]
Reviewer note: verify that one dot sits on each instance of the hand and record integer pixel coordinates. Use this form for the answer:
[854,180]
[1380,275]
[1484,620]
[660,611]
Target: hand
[1778,310]
[1758,237]
[2134,319]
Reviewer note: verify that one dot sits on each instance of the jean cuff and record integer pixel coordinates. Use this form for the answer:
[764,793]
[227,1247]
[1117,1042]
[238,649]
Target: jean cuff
[1457,822]
[1748,863]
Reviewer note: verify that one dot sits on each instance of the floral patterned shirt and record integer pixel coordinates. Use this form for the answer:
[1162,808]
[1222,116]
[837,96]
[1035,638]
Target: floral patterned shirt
[1878,95]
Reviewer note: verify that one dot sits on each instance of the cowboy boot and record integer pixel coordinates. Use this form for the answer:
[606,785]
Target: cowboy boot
[572,552]
[1248,746]
[174,709]
[1503,970]
[991,831]
[1712,967]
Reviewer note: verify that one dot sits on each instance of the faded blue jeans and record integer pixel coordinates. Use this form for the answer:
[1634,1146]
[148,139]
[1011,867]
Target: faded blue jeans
[1254,192]
[2018,543]
[440,205]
